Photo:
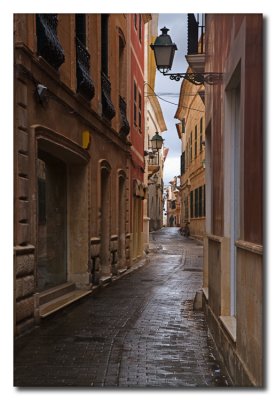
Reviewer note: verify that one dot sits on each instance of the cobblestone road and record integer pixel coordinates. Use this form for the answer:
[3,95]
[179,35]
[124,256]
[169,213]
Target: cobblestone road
[141,331]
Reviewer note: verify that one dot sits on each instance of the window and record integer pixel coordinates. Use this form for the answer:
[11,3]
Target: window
[182,164]
[192,204]
[104,44]
[140,28]
[187,154]
[196,203]
[135,21]
[81,28]
[48,45]
[204,201]
[195,141]
[140,113]
[84,84]
[200,211]
[122,66]
[137,107]
[233,143]
[183,125]
[234,116]
[191,147]
[135,104]
[186,216]
[201,132]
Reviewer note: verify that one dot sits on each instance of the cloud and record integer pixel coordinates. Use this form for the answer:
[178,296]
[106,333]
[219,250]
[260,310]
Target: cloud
[171,169]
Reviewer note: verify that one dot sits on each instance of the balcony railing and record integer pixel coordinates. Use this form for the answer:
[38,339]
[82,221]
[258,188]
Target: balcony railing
[154,159]
[48,45]
[196,49]
[195,35]
[108,109]
[125,128]
[85,84]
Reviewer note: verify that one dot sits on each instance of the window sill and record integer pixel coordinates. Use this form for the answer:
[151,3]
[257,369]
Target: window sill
[251,247]
[215,238]
[230,324]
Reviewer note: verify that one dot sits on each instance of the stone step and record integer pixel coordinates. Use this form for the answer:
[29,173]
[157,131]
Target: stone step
[122,271]
[105,279]
[58,303]
[55,292]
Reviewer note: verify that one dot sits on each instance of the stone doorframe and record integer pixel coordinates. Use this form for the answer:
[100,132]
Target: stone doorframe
[76,159]
[121,217]
[104,215]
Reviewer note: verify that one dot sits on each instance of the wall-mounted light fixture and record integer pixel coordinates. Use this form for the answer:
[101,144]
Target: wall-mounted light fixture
[164,50]
[41,93]
[156,142]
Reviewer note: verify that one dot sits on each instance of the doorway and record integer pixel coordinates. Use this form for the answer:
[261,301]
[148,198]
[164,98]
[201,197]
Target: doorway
[105,221]
[51,221]
[121,222]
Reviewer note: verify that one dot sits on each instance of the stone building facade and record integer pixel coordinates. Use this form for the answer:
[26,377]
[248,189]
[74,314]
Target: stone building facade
[73,163]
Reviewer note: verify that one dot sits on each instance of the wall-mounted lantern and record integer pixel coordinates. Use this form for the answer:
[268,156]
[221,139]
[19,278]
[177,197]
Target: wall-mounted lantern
[156,142]
[164,50]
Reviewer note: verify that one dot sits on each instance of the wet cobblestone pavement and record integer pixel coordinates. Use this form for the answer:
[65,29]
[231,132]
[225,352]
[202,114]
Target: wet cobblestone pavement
[139,332]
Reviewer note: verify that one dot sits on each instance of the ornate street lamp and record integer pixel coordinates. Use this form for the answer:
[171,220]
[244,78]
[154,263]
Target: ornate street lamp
[164,50]
[156,142]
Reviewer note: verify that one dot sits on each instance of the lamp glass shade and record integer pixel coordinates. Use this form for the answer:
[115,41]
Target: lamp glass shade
[157,141]
[164,57]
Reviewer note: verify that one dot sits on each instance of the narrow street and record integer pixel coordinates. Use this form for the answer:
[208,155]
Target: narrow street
[141,331]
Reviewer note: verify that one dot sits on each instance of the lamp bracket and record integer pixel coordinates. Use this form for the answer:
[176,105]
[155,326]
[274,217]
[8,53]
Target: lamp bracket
[211,78]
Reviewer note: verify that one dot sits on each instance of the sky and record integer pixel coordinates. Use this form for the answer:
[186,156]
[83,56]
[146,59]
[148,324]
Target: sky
[169,90]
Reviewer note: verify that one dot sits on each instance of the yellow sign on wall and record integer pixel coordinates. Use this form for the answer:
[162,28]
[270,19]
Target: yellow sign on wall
[86,139]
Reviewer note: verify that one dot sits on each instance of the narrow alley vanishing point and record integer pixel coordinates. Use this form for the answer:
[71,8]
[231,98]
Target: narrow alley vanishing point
[141,331]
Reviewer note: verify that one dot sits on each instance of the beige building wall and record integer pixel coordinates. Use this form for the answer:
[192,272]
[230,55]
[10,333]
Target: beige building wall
[191,132]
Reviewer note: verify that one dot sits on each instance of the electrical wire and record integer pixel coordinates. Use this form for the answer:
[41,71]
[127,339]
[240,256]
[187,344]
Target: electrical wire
[170,94]
[170,102]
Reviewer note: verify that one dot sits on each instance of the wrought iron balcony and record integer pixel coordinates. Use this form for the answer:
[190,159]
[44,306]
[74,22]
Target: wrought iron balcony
[85,84]
[154,159]
[192,47]
[125,128]
[48,45]
[108,108]
[153,163]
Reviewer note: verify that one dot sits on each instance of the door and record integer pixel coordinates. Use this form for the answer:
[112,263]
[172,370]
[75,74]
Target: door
[51,221]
